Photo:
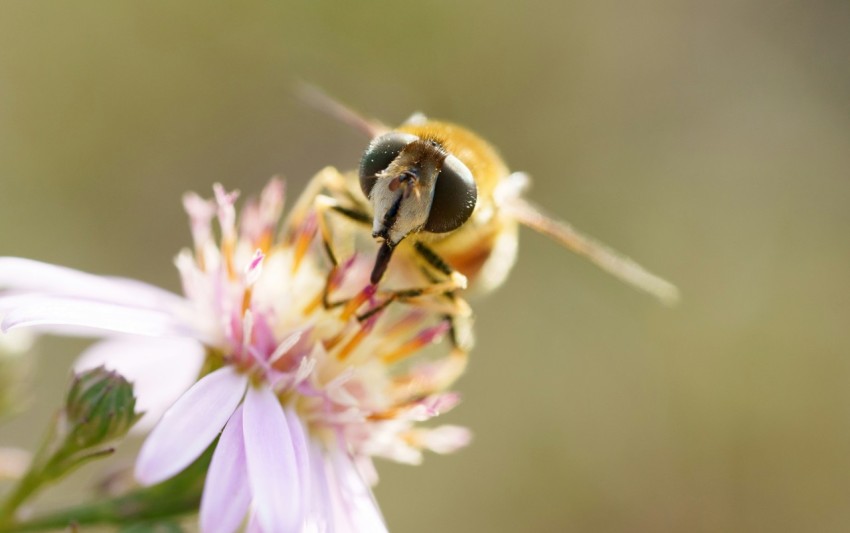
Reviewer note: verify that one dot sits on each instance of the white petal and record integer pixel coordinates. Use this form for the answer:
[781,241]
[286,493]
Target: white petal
[314,487]
[20,274]
[366,467]
[190,425]
[160,370]
[272,466]
[227,495]
[299,447]
[355,508]
[16,342]
[253,524]
[86,318]
[446,438]
[319,509]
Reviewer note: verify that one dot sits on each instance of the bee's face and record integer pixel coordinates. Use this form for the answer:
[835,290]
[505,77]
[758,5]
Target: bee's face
[414,184]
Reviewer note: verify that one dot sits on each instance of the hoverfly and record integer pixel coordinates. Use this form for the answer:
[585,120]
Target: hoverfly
[441,196]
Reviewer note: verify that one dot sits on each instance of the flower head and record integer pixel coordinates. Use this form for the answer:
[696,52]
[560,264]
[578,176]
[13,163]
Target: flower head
[309,373]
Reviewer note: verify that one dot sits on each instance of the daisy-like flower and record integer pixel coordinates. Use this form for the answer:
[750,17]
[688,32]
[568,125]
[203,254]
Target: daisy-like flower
[303,394]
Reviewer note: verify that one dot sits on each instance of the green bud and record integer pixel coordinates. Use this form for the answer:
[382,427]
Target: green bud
[100,407]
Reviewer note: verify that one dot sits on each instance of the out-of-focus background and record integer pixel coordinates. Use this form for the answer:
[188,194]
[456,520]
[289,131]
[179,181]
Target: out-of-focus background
[709,140]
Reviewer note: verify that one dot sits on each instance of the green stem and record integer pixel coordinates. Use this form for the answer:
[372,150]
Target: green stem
[176,496]
[22,491]
[40,474]
[138,506]
[33,479]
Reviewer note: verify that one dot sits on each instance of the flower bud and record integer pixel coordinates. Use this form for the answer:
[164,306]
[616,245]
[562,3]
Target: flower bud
[100,407]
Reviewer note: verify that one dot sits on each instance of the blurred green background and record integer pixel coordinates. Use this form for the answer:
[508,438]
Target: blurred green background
[709,140]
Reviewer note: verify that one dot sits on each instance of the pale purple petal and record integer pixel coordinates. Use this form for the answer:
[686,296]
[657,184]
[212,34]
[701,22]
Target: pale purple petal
[253,524]
[314,489]
[190,425]
[319,515]
[366,467]
[299,446]
[160,370]
[18,274]
[227,495]
[87,318]
[272,466]
[355,508]
[446,438]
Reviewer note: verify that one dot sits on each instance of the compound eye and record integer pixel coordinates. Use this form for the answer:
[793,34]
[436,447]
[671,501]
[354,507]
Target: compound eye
[381,152]
[455,194]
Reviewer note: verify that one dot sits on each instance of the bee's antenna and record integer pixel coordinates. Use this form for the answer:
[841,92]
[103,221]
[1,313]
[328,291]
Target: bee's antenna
[325,103]
[607,259]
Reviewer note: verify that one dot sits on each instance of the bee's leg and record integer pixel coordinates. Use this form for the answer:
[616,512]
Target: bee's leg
[434,269]
[456,305]
[460,324]
[433,260]
[460,333]
[324,207]
[452,279]
[328,181]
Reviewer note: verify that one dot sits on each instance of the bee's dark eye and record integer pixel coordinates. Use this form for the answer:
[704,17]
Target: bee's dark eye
[381,152]
[455,195]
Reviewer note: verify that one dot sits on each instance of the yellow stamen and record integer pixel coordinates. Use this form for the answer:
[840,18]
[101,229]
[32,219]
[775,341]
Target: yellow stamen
[401,326]
[331,343]
[354,304]
[246,299]
[389,414]
[199,259]
[418,342]
[302,242]
[314,304]
[404,350]
[353,343]
[264,243]
[227,247]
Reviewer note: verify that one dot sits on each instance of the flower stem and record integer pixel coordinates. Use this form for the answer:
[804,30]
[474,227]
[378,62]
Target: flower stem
[100,407]
[25,487]
[176,496]
[32,480]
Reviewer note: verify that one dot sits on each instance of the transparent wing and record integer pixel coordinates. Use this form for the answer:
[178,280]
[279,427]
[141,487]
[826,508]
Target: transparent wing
[600,254]
[336,109]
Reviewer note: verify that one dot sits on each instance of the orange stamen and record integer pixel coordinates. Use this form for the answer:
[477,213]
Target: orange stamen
[358,337]
[418,342]
[303,237]
[264,243]
[246,299]
[354,304]
[199,259]
[403,351]
[227,247]
[314,304]
[331,343]
[353,343]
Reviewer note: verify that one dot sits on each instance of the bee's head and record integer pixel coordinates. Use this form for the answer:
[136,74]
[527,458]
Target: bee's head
[413,185]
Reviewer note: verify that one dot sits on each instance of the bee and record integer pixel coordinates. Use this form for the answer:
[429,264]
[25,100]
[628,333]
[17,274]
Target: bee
[439,194]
